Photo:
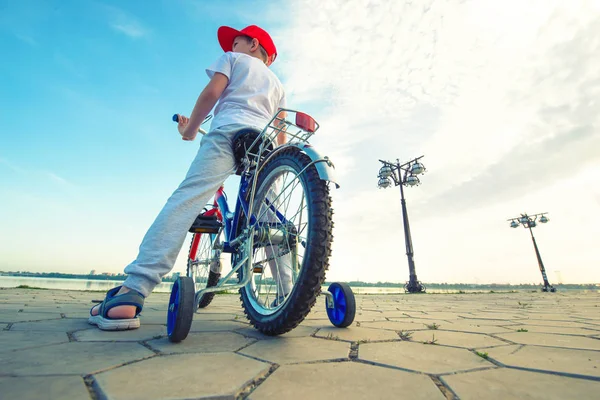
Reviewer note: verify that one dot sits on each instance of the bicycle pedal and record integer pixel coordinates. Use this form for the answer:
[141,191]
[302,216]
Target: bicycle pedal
[204,230]
[204,224]
[258,269]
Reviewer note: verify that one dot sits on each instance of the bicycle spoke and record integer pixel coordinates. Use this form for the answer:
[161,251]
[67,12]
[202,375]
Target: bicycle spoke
[280,263]
[276,199]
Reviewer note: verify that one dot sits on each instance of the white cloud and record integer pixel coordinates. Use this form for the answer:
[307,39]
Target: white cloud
[501,97]
[124,22]
[58,179]
[131,29]
[33,173]
[13,167]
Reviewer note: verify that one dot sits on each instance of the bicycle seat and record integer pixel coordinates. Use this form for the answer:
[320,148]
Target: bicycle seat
[241,144]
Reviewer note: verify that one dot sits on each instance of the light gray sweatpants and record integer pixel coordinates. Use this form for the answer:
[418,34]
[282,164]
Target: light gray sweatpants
[158,252]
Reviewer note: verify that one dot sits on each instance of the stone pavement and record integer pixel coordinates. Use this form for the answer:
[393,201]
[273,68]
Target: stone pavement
[431,346]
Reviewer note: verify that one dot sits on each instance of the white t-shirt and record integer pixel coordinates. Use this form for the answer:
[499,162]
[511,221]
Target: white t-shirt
[253,95]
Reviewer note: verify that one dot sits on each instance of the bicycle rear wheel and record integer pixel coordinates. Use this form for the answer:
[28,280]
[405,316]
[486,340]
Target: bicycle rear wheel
[205,267]
[291,243]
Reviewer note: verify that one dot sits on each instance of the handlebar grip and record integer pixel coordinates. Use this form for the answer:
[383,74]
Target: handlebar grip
[176,119]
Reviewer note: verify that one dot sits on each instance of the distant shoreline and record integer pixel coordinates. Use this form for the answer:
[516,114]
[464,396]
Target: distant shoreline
[439,286]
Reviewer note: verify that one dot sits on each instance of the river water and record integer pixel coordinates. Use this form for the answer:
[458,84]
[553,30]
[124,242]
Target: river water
[105,285]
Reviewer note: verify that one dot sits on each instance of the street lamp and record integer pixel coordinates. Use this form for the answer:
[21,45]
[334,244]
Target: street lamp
[393,172]
[528,222]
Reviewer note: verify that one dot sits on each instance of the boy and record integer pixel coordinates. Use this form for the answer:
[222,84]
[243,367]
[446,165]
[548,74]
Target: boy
[248,95]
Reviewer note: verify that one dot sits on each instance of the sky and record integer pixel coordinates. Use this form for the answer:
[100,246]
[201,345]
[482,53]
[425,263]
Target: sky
[501,98]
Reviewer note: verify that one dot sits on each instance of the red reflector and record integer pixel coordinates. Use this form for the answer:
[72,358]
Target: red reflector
[305,121]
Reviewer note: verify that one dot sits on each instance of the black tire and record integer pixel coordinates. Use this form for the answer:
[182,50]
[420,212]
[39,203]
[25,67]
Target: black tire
[181,309]
[279,318]
[201,274]
[342,291]
[207,298]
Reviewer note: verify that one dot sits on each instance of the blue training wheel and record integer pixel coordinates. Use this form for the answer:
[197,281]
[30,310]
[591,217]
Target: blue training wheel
[181,309]
[344,305]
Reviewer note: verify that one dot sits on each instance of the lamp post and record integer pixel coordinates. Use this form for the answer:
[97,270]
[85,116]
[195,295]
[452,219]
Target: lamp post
[528,222]
[404,174]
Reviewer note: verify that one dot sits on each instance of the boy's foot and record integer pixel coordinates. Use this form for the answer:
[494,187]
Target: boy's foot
[118,312]
[110,315]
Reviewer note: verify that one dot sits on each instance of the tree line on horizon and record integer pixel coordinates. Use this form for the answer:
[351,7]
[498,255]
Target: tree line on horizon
[174,276]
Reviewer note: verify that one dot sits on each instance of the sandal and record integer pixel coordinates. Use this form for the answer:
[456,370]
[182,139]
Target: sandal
[131,298]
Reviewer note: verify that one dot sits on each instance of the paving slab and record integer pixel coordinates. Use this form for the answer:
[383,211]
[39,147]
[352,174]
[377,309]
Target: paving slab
[434,315]
[458,339]
[553,329]
[424,322]
[295,350]
[145,332]
[595,329]
[40,310]
[10,340]
[217,326]
[344,380]
[318,315]
[494,315]
[182,376]
[554,317]
[396,325]
[582,362]
[565,324]
[299,331]
[431,359]
[590,323]
[591,314]
[202,316]
[71,358]
[563,332]
[316,323]
[54,325]
[355,334]
[461,326]
[55,387]
[76,314]
[397,315]
[553,340]
[507,384]
[13,316]
[368,316]
[202,342]
[490,322]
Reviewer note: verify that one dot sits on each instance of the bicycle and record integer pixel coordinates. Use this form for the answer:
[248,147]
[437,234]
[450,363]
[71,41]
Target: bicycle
[282,224]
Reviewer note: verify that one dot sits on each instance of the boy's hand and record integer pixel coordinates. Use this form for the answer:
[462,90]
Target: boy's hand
[183,123]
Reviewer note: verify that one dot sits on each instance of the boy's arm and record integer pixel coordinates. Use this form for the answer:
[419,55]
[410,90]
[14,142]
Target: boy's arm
[206,101]
[281,136]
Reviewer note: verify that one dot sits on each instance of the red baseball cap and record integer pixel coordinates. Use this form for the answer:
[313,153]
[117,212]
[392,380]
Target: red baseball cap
[226,36]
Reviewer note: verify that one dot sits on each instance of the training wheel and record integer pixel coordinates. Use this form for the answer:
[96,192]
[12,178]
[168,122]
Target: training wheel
[344,305]
[181,309]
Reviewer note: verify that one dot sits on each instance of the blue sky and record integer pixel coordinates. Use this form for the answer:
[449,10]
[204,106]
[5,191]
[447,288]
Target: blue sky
[89,87]
[88,92]
[500,97]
